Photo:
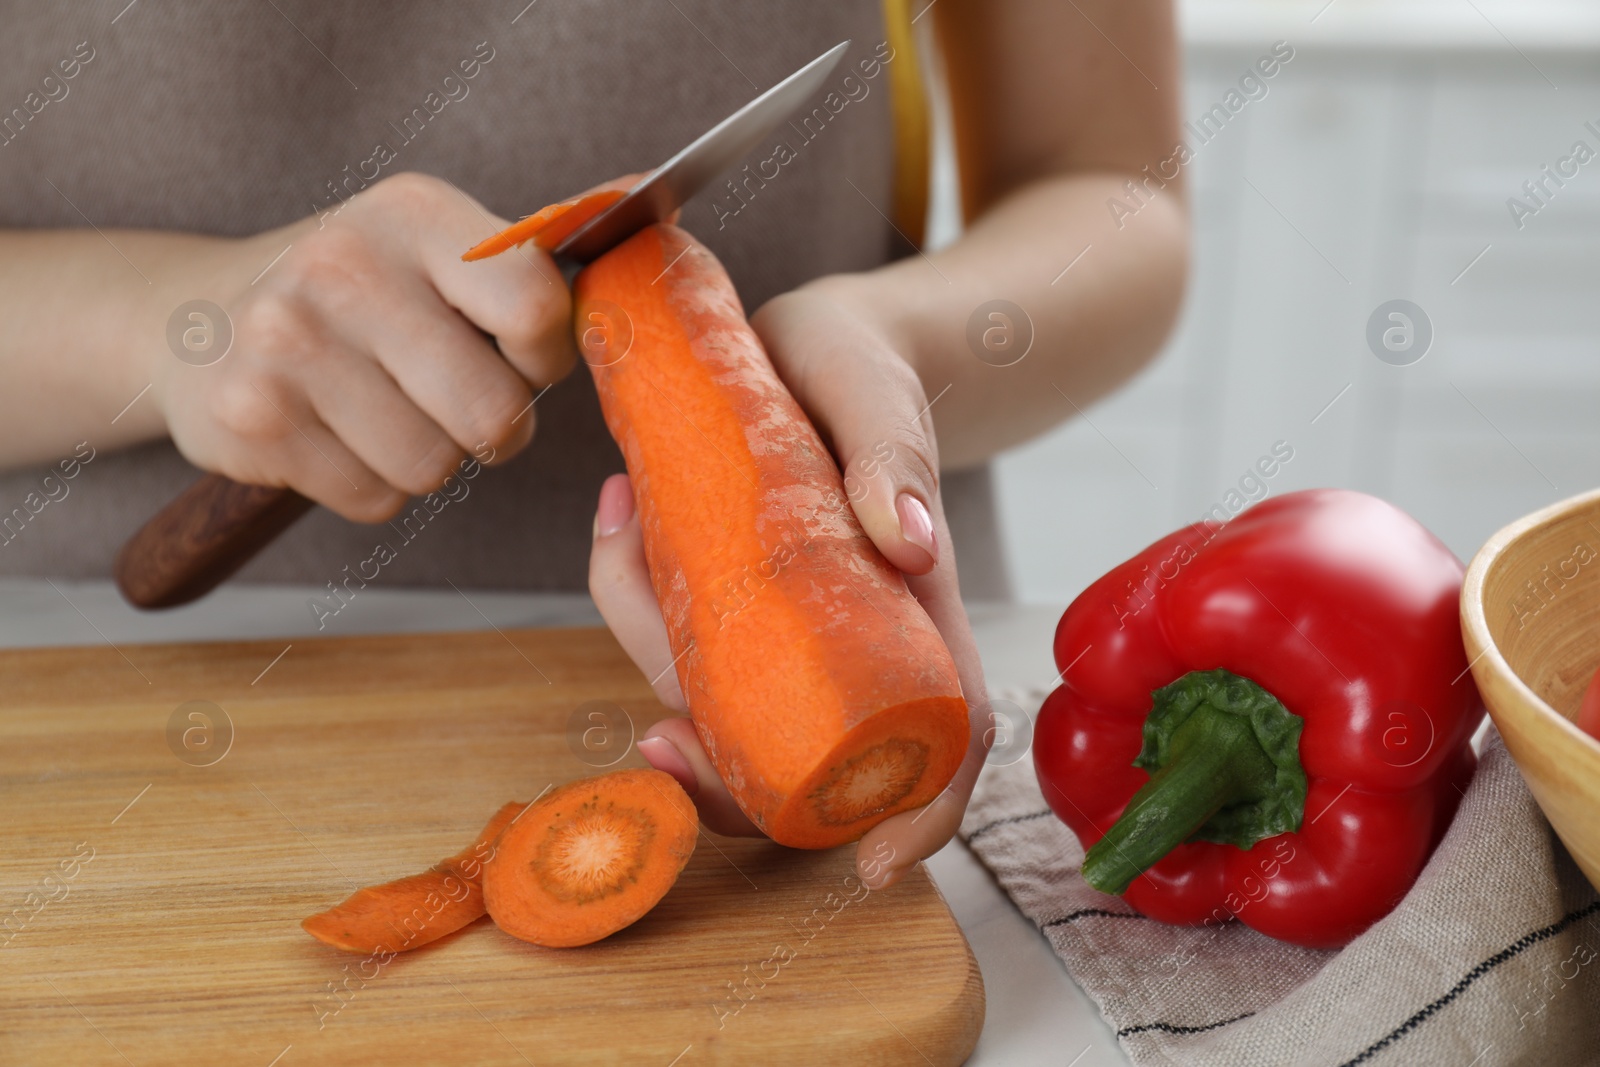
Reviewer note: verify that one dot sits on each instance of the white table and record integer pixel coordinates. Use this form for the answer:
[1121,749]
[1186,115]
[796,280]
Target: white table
[1036,1014]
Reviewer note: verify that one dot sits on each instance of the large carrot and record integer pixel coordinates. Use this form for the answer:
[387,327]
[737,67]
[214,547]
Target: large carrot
[410,912]
[589,858]
[820,688]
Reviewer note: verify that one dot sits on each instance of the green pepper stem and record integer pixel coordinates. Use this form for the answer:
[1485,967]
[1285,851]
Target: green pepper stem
[1215,760]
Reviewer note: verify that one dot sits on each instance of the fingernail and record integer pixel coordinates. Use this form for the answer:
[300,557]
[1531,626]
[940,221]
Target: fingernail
[916,525]
[886,878]
[663,755]
[616,506]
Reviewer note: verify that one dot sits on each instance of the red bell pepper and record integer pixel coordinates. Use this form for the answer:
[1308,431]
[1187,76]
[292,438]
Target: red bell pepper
[1267,719]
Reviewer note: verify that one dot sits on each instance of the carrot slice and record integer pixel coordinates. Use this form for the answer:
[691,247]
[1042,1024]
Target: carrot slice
[551,225]
[410,912]
[820,689]
[590,858]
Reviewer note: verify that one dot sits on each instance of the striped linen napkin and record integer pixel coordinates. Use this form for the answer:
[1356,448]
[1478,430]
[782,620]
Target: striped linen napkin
[1493,957]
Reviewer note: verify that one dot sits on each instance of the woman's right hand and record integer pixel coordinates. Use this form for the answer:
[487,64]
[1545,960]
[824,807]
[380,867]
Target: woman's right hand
[368,360]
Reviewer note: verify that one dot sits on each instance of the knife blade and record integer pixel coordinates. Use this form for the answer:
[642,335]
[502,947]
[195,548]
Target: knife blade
[669,186]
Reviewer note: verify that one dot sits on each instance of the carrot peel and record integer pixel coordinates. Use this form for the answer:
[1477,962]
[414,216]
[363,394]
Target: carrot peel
[551,225]
[414,911]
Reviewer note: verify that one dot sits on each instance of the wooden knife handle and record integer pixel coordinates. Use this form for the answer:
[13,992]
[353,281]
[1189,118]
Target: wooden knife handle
[203,536]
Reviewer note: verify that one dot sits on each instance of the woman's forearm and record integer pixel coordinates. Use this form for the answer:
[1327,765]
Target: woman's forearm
[85,318]
[1098,298]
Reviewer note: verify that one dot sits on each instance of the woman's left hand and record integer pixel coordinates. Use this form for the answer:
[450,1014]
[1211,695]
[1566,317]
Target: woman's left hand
[872,410]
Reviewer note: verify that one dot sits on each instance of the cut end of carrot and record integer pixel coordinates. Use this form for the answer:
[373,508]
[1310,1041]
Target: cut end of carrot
[590,858]
[898,760]
[871,782]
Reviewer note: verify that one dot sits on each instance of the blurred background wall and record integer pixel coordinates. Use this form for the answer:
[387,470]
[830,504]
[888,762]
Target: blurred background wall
[1377,166]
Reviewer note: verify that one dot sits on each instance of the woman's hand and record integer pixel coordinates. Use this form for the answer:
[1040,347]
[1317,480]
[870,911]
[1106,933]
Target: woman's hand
[871,408]
[368,360]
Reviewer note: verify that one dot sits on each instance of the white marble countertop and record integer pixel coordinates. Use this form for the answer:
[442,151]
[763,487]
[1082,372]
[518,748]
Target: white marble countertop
[1036,1014]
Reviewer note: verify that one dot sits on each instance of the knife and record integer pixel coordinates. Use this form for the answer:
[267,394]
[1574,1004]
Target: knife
[216,525]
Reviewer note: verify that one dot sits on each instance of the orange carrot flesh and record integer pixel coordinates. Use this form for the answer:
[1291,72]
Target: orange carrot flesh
[411,912]
[590,858]
[400,915]
[819,687]
[549,226]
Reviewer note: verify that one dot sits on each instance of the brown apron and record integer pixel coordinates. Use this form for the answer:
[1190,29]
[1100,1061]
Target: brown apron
[235,116]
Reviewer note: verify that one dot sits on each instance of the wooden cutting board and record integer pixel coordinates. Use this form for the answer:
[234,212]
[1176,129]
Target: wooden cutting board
[150,906]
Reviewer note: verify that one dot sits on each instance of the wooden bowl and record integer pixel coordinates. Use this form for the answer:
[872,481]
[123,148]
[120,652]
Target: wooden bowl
[1530,614]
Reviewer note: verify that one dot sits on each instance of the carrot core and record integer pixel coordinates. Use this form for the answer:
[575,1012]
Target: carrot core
[871,782]
[595,854]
